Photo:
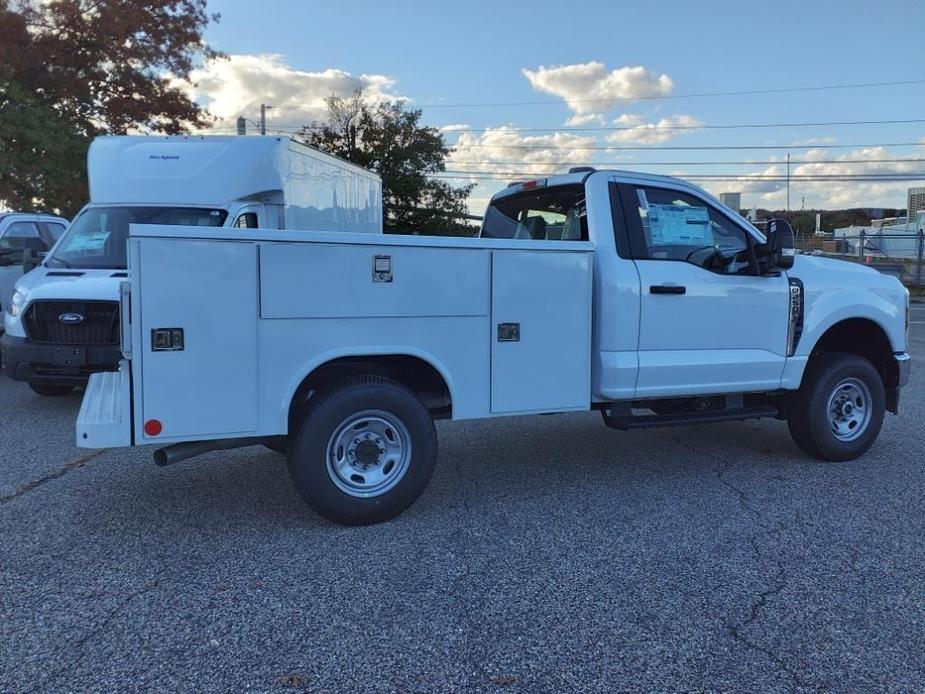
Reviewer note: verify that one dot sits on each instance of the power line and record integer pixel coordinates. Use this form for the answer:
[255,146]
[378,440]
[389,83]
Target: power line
[660,97]
[764,162]
[917,176]
[651,127]
[641,148]
[295,127]
[707,175]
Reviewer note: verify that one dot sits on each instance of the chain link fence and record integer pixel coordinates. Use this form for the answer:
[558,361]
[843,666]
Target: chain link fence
[895,254]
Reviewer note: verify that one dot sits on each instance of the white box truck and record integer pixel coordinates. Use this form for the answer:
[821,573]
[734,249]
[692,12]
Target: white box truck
[62,321]
[640,296]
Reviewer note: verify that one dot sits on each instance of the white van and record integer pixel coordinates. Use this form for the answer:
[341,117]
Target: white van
[20,233]
[62,321]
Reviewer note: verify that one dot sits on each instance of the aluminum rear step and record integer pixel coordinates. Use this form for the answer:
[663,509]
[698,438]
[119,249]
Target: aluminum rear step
[105,419]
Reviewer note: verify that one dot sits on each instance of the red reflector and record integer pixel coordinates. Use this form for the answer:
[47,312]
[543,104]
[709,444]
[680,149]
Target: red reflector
[530,184]
[153,427]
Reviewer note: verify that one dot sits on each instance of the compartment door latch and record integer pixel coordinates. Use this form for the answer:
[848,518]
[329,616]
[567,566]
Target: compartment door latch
[382,268]
[167,339]
[508,332]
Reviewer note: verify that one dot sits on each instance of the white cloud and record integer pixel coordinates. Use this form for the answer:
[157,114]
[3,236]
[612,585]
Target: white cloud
[831,194]
[591,88]
[639,132]
[533,154]
[580,119]
[237,86]
[453,127]
[815,141]
[513,156]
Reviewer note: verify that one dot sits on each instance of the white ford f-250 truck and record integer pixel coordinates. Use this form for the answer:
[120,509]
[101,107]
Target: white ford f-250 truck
[640,296]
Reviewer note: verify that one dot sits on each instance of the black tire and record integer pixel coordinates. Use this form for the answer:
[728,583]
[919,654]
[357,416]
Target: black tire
[49,390]
[326,415]
[808,412]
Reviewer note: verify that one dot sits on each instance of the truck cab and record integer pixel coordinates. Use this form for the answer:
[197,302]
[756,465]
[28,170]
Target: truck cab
[685,301]
[639,296]
[62,323]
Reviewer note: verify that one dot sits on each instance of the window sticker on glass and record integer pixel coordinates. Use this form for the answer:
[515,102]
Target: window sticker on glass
[681,225]
[90,242]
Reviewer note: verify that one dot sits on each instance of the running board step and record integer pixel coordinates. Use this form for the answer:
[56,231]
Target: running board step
[626,422]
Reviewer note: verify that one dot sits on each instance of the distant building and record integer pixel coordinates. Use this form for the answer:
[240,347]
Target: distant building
[915,202]
[734,200]
[895,239]
[888,221]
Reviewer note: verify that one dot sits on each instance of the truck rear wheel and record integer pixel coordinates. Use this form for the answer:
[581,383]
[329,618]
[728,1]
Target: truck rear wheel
[50,390]
[364,451]
[838,411]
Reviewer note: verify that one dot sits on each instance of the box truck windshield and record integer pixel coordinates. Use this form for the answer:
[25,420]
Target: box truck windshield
[97,238]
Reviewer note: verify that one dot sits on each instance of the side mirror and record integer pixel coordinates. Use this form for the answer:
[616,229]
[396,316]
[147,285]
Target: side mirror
[779,251]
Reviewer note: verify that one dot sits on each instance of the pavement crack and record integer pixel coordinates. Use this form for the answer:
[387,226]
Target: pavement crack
[32,485]
[779,582]
[110,616]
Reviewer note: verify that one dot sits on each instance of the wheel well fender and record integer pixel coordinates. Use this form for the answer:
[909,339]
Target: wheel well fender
[420,371]
[864,337]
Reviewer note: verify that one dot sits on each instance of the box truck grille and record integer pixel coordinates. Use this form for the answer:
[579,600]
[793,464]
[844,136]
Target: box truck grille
[56,322]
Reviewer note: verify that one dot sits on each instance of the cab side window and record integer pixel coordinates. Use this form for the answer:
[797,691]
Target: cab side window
[671,225]
[19,237]
[541,214]
[248,220]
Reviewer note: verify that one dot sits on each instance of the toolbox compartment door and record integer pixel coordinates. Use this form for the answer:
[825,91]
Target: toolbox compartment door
[540,331]
[200,382]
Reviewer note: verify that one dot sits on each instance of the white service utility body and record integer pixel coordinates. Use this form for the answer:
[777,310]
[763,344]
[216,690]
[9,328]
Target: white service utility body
[62,323]
[641,296]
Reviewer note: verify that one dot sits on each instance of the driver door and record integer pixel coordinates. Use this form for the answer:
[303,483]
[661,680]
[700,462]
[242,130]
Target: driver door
[708,323]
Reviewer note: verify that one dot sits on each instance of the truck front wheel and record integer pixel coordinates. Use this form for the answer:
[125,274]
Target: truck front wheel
[364,451]
[838,411]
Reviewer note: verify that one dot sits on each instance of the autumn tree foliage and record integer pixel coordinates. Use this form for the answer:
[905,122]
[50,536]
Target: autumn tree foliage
[389,139]
[74,69]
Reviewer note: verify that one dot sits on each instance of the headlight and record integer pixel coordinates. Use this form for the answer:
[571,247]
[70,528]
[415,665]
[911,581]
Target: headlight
[16,302]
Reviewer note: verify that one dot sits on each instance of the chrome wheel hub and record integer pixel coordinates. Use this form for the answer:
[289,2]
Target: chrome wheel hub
[368,453]
[849,409]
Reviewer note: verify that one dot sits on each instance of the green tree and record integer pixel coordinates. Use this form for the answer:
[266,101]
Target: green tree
[73,69]
[390,140]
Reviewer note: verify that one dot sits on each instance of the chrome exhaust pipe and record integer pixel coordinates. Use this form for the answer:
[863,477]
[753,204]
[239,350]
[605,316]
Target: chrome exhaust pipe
[178,452]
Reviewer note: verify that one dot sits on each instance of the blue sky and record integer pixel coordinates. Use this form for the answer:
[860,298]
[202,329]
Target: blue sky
[293,53]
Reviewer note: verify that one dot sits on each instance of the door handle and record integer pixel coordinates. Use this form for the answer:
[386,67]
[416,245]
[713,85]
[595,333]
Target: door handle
[667,289]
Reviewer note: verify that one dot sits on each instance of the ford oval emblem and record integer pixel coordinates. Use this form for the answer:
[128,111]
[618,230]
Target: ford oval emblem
[71,318]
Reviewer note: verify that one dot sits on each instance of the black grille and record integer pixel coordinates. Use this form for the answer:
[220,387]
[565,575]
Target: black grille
[100,324]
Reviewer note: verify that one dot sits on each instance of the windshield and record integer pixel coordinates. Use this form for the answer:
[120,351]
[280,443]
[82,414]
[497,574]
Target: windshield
[97,238]
[545,214]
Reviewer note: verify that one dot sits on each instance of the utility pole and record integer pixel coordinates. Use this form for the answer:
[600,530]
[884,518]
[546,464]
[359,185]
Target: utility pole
[263,119]
[788,181]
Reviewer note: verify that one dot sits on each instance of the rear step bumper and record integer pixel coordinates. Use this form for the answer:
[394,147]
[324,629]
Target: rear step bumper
[105,419]
[626,422]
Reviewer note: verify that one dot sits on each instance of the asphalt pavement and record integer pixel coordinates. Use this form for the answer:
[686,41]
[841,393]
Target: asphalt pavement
[548,554]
